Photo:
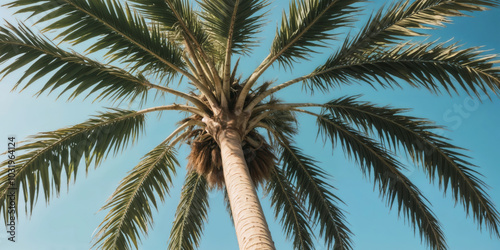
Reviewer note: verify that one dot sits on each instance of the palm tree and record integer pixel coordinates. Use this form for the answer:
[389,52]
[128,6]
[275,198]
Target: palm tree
[240,133]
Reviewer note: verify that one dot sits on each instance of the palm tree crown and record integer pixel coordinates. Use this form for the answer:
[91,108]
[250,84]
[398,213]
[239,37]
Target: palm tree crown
[239,131]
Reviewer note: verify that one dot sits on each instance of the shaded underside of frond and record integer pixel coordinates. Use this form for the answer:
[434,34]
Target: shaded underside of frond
[199,44]
[176,17]
[311,185]
[429,65]
[191,213]
[288,205]
[404,19]
[385,170]
[239,21]
[440,159]
[310,24]
[124,34]
[69,71]
[44,157]
[130,213]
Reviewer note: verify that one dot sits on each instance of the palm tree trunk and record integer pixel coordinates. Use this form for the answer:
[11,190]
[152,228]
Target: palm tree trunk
[251,226]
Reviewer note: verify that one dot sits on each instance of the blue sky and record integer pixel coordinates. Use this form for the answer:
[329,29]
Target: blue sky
[69,220]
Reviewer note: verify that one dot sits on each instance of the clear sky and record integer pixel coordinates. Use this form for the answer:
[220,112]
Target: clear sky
[69,220]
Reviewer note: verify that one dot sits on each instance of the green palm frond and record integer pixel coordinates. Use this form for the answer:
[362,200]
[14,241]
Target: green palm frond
[191,214]
[310,184]
[234,20]
[309,24]
[178,17]
[294,217]
[153,42]
[44,157]
[175,16]
[393,185]
[125,34]
[439,158]
[402,19]
[429,65]
[130,212]
[283,121]
[69,71]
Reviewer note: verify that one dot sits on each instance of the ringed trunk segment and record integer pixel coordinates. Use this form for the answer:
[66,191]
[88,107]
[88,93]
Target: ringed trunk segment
[250,223]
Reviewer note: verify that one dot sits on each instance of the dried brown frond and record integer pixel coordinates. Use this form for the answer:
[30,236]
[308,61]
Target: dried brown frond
[205,159]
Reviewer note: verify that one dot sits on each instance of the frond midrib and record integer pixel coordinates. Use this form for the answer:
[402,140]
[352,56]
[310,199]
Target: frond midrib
[402,18]
[227,64]
[141,183]
[191,198]
[146,83]
[441,62]
[23,167]
[269,61]
[63,58]
[193,39]
[132,41]
[300,34]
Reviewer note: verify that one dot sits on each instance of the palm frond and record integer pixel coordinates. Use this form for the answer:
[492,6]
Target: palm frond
[429,65]
[191,213]
[402,19]
[286,203]
[309,24]
[310,184]
[125,34]
[175,16]
[69,71]
[440,159]
[178,17]
[393,185]
[237,21]
[233,25]
[130,213]
[279,120]
[44,157]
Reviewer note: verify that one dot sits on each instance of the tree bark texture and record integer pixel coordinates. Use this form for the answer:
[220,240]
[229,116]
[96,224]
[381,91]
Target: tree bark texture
[251,227]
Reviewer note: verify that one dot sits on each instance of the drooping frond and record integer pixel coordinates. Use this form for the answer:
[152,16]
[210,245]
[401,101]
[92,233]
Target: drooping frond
[309,182]
[286,203]
[429,65]
[130,213]
[402,19]
[69,71]
[385,170]
[45,156]
[191,213]
[235,20]
[309,24]
[125,34]
[439,158]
